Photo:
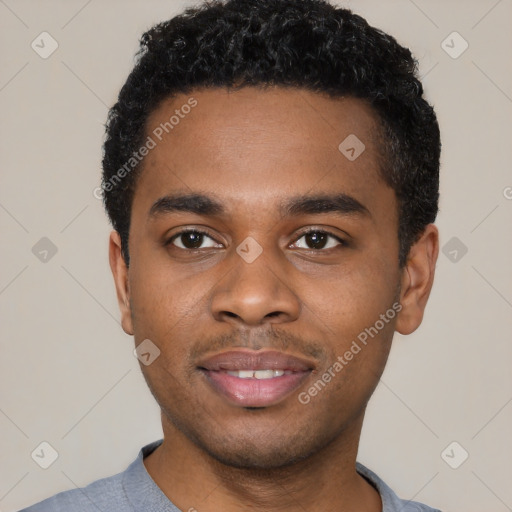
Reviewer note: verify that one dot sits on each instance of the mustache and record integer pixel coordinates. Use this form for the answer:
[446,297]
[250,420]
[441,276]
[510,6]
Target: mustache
[272,338]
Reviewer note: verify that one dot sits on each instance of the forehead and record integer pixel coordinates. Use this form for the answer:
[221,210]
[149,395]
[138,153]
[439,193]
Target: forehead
[256,145]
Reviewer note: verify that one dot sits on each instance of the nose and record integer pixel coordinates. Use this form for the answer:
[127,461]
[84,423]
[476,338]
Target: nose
[254,294]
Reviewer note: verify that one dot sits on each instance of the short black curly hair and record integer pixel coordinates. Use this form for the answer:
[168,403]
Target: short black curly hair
[308,44]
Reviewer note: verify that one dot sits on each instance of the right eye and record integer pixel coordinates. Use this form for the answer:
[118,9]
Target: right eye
[192,239]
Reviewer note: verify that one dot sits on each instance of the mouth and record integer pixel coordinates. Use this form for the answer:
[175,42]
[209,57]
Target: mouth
[255,379]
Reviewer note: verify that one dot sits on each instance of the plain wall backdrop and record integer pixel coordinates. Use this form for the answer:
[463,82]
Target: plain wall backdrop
[67,371]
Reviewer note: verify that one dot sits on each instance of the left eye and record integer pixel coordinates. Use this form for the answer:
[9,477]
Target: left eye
[318,240]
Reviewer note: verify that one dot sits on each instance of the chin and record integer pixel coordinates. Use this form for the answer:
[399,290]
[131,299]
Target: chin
[256,460]
[263,452]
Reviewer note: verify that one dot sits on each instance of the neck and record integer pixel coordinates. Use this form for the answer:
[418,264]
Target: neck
[326,480]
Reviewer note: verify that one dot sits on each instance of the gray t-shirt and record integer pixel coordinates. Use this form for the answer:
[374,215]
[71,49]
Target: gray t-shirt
[134,490]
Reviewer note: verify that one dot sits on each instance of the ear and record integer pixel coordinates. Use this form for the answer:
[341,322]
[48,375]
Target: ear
[120,273]
[417,280]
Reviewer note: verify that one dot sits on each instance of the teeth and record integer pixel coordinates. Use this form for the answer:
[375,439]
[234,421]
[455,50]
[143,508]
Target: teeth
[257,374]
[264,374]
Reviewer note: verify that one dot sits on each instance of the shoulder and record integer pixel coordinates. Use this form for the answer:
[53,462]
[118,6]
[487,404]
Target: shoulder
[104,494]
[123,492]
[390,501]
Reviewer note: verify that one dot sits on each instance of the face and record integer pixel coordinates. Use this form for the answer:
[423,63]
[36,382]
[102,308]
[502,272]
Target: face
[257,245]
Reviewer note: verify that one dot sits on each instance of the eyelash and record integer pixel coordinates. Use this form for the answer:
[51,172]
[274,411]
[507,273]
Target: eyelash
[342,242]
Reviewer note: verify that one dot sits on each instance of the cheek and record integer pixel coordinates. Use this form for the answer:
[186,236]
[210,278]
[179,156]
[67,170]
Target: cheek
[165,310]
[169,306]
[348,302]
[358,320]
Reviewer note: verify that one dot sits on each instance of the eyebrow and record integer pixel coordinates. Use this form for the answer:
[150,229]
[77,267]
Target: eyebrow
[342,204]
[193,203]
[202,204]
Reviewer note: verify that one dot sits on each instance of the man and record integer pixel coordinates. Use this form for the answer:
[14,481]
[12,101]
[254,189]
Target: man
[271,173]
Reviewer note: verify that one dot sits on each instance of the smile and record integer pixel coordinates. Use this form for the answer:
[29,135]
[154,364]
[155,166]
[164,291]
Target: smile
[248,378]
[258,374]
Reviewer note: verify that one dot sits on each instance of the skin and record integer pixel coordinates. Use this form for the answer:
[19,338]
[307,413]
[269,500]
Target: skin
[251,150]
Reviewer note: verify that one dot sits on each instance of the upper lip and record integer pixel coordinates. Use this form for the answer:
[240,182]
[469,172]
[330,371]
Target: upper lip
[234,360]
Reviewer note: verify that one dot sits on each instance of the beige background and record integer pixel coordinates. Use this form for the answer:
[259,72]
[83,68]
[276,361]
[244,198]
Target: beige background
[68,376]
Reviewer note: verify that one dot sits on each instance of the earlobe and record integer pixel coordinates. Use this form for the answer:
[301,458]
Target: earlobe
[120,273]
[417,280]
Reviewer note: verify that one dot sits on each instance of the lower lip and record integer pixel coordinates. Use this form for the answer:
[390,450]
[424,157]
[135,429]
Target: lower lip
[254,392]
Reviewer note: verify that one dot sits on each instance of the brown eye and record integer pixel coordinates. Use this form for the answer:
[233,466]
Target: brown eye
[193,240]
[318,240]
